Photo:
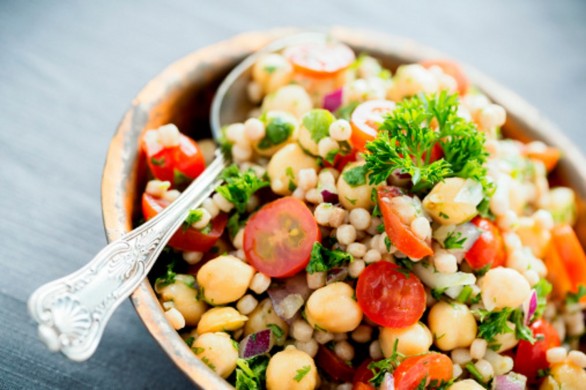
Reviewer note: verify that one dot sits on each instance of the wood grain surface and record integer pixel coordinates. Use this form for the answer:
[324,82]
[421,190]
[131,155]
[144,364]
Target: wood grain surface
[68,70]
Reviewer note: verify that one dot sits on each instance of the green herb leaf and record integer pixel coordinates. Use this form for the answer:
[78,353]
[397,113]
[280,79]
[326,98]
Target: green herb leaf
[179,177]
[323,259]
[317,122]
[159,162]
[381,367]
[169,277]
[240,186]
[278,129]
[251,373]
[355,176]
[345,112]
[575,297]
[301,373]
[493,323]
[543,288]
[454,240]
[276,330]
[195,215]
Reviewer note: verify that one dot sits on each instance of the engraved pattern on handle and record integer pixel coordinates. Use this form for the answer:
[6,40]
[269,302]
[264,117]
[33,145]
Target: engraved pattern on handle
[73,311]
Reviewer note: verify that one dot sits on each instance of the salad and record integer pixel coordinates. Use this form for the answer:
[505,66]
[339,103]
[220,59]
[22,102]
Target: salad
[376,231]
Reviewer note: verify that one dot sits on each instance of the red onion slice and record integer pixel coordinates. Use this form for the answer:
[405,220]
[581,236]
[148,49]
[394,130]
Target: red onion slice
[330,197]
[511,381]
[388,382]
[337,275]
[529,306]
[333,100]
[256,344]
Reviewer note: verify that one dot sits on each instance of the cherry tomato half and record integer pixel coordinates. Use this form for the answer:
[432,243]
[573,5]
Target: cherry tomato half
[531,358]
[189,239]
[453,69]
[400,234]
[429,367]
[321,60]
[489,248]
[390,296]
[366,119]
[278,239]
[179,164]
[335,367]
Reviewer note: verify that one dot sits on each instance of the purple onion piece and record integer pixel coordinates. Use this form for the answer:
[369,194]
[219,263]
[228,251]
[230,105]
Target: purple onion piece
[388,382]
[333,100]
[256,344]
[511,381]
[399,179]
[329,197]
[289,296]
[529,307]
[337,275]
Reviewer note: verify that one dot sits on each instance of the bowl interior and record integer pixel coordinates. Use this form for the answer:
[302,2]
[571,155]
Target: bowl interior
[182,94]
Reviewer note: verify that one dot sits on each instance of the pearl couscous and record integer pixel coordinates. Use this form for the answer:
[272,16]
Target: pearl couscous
[375,231]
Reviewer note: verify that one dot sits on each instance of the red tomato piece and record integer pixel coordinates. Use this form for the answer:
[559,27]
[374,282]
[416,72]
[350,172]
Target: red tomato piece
[363,373]
[430,367]
[531,358]
[390,296]
[320,60]
[335,367]
[278,239]
[399,233]
[189,239]
[179,164]
[366,119]
[489,249]
[453,69]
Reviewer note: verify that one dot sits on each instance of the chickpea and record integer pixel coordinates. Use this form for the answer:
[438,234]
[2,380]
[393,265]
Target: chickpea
[564,376]
[221,318]
[357,196]
[505,341]
[279,129]
[466,384]
[452,325]
[184,296]
[503,287]
[217,351]
[272,71]
[333,308]
[410,80]
[319,121]
[261,317]
[284,167]
[413,340]
[453,201]
[224,279]
[291,369]
[290,98]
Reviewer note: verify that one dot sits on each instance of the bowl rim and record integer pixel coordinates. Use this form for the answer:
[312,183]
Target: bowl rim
[115,205]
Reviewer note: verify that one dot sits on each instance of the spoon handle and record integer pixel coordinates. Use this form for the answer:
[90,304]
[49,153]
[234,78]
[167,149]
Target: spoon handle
[73,311]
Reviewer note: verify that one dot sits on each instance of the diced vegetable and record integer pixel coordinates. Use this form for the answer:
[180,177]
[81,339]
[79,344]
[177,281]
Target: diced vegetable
[256,344]
[333,100]
[511,381]
[437,280]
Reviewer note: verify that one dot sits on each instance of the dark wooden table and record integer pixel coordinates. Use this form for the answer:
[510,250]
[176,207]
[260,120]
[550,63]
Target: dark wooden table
[68,70]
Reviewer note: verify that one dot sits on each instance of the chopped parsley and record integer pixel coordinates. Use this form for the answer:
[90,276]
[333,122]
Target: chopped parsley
[355,176]
[291,176]
[251,373]
[208,363]
[189,341]
[301,373]
[159,162]
[454,240]
[575,297]
[405,142]
[276,330]
[381,367]
[542,289]
[278,129]
[345,112]
[195,215]
[323,259]
[466,296]
[493,323]
[471,368]
[169,277]
[240,186]
[179,177]
[317,122]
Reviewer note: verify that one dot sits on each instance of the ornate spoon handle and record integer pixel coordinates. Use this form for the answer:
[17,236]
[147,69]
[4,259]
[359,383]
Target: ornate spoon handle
[73,311]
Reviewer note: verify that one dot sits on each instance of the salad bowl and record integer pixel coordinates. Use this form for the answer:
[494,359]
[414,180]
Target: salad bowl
[182,95]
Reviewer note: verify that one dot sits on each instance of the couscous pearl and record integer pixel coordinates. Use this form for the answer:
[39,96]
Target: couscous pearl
[346,234]
[508,221]
[299,193]
[326,179]
[316,280]
[356,267]
[543,219]
[326,146]
[309,347]
[456,371]
[362,334]
[344,386]
[322,213]
[192,257]
[254,91]
[421,228]
[356,249]
[203,221]
[445,263]
[512,241]
[360,218]
[301,330]
[171,195]
[157,188]
[578,358]
[241,152]
[323,337]
[235,133]
[340,130]
[372,256]
[222,203]
[461,356]
[260,283]
[313,196]
[211,207]
[340,336]
[485,369]
[478,349]
[344,350]
[556,355]
[532,277]
[307,178]
[175,318]
[246,304]
[169,136]
[375,350]
[337,217]
[254,129]
[252,203]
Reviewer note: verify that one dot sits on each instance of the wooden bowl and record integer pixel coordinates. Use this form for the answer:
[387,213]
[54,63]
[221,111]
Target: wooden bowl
[182,94]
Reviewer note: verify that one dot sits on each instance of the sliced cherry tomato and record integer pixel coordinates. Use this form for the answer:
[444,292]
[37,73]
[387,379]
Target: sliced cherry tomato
[431,368]
[278,239]
[366,119]
[363,373]
[400,234]
[390,296]
[489,249]
[531,358]
[320,60]
[549,156]
[179,164]
[362,386]
[453,69]
[572,255]
[341,161]
[189,239]
[557,273]
[335,367]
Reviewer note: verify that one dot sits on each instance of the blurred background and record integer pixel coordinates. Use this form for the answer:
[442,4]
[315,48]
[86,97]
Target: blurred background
[69,69]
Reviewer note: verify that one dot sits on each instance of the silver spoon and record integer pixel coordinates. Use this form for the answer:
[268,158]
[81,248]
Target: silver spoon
[72,312]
